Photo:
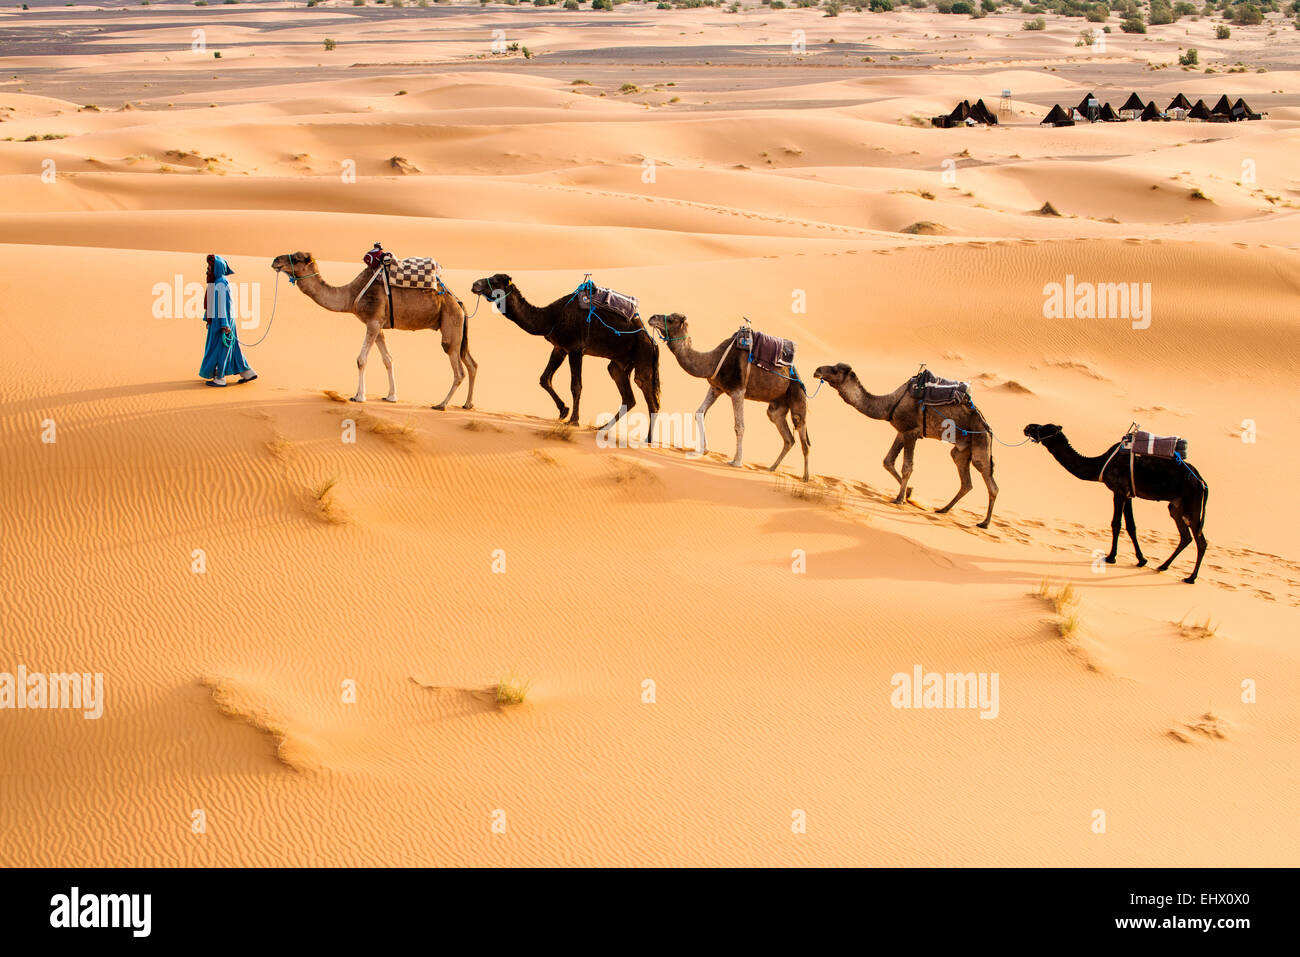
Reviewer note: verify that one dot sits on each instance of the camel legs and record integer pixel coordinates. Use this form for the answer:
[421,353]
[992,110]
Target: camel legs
[983,459]
[471,367]
[575,383]
[1186,532]
[908,443]
[738,410]
[890,457]
[800,418]
[776,413]
[710,397]
[1131,525]
[372,333]
[645,382]
[553,363]
[622,377]
[451,346]
[1120,500]
[961,456]
[388,364]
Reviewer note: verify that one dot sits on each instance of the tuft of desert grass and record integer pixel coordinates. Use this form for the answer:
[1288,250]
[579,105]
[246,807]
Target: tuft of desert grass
[1205,629]
[812,492]
[559,431]
[480,425]
[543,456]
[326,504]
[512,689]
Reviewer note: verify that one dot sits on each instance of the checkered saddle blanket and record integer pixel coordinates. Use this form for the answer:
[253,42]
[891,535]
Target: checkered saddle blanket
[930,389]
[1160,446]
[417,272]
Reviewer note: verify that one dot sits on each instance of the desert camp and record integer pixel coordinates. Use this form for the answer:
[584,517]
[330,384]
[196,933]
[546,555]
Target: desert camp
[1179,108]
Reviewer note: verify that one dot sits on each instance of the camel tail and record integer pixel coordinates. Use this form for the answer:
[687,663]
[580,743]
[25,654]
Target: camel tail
[464,334]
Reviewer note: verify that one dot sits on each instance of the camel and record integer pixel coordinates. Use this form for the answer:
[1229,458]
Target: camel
[1158,479]
[728,369]
[565,324]
[412,309]
[960,424]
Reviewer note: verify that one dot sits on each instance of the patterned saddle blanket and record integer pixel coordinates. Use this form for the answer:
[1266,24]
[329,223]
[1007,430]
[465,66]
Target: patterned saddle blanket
[417,272]
[1148,443]
[768,352]
[591,296]
[930,389]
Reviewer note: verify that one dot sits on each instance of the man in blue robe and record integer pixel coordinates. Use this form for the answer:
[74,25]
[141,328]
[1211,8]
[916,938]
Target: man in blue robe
[221,353]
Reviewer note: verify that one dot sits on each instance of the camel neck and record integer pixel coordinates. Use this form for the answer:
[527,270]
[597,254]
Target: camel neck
[1083,467]
[698,364]
[873,406]
[525,315]
[333,298]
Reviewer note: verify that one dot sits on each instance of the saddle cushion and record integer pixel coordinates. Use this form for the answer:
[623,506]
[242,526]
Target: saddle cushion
[418,272]
[930,389]
[625,306]
[608,299]
[1161,446]
[770,352]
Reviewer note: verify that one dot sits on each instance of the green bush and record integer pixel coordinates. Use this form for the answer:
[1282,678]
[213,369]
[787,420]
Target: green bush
[1038,23]
[1099,13]
[1222,33]
[1133,25]
[331,44]
[1190,58]
[1248,16]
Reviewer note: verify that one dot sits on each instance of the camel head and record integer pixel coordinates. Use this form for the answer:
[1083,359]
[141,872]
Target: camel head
[836,375]
[1041,433]
[670,327]
[296,265]
[494,287]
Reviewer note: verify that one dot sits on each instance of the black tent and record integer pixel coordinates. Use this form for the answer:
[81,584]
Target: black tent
[1134,102]
[956,118]
[1149,112]
[1223,107]
[1107,115]
[1089,107]
[1241,111]
[1179,102]
[980,114]
[1057,117]
[1199,112]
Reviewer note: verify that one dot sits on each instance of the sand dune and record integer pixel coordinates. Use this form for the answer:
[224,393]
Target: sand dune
[303,638]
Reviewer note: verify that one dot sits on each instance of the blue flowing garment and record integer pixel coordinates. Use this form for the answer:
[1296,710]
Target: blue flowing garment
[221,353]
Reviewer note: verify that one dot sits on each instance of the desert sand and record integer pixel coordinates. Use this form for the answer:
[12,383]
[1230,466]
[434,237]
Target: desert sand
[302,638]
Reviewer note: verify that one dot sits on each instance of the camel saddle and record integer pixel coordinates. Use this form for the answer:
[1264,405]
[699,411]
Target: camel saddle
[930,389]
[768,352]
[1159,446]
[591,296]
